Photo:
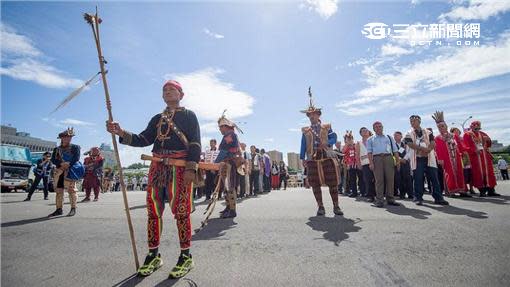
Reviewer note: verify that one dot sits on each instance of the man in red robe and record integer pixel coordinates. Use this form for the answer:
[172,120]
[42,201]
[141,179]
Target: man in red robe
[93,173]
[449,155]
[477,144]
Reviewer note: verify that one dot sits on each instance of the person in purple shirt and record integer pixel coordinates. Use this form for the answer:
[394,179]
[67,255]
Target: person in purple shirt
[267,170]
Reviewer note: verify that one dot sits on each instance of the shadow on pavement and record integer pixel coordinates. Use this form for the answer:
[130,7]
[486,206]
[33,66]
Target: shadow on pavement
[402,210]
[457,211]
[216,227]
[131,280]
[503,199]
[184,282]
[335,229]
[28,221]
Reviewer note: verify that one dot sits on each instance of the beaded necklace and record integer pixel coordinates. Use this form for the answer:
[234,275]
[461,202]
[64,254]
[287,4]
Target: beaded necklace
[166,119]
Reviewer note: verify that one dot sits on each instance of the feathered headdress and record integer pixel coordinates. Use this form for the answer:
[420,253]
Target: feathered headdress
[348,135]
[223,121]
[311,107]
[67,133]
[438,116]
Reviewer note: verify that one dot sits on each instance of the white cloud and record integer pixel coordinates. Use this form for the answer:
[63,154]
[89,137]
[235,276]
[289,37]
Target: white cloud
[209,128]
[20,61]
[455,66]
[477,10]
[325,8]
[392,50]
[361,61]
[269,140]
[75,122]
[35,71]
[53,122]
[13,43]
[212,34]
[208,96]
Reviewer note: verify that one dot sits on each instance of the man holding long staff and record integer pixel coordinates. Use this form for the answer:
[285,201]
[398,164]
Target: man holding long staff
[174,134]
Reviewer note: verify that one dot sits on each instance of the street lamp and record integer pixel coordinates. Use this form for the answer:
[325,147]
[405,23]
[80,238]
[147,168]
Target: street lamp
[464,122]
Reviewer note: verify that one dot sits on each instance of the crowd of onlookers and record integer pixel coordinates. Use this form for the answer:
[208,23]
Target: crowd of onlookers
[258,173]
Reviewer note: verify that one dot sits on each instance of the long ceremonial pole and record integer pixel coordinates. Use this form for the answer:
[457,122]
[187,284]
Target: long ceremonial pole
[94,22]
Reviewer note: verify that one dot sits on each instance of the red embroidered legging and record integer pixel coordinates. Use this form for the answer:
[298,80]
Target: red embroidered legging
[180,199]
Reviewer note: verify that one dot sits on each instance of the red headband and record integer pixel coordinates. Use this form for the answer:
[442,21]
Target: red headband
[174,84]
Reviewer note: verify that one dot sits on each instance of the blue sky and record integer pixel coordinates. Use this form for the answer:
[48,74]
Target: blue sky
[256,61]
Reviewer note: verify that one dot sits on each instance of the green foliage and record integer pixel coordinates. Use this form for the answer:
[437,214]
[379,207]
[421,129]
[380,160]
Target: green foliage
[505,155]
[137,166]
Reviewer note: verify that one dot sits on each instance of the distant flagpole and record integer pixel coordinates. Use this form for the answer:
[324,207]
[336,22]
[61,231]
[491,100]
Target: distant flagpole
[94,22]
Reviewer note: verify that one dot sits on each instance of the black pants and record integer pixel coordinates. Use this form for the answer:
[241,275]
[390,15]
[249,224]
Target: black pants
[354,175]
[504,173]
[284,179]
[267,183]
[37,179]
[369,180]
[209,184]
[440,178]
[403,181]
[242,185]
[254,182]
[342,180]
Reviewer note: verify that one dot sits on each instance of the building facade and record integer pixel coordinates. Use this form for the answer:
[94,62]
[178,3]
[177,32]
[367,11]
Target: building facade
[108,155]
[275,155]
[294,162]
[10,135]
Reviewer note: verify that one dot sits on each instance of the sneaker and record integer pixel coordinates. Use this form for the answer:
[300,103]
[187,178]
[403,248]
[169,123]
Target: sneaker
[72,212]
[96,199]
[224,210]
[419,202]
[27,199]
[151,264]
[46,198]
[370,199]
[353,195]
[493,193]
[379,204]
[57,212]
[229,213]
[393,203]
[86,199]
[337,210]
[321,211]
[183,266]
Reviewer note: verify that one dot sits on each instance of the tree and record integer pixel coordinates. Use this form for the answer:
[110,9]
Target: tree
[137,166]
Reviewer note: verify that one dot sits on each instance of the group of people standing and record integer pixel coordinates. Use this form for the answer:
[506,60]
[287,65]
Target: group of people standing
[379,162]
[380,167]
[256,173]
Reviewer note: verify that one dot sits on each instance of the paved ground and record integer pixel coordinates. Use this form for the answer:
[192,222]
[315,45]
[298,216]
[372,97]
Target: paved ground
[276,241]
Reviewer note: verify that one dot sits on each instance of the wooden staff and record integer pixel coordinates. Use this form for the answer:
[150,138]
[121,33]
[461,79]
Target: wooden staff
[94,22]
[181,163]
